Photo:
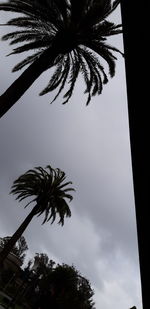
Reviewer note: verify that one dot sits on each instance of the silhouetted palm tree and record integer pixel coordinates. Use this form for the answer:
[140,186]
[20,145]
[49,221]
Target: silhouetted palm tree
[50,193]
[69,35]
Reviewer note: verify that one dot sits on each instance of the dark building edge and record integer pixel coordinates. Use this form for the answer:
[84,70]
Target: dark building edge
[135,36]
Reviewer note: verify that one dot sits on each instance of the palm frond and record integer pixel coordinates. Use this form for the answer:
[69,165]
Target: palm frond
[105,29]
[107,46]
[103,52]
[75,69]
[60,186]
[27,47]
[27,37]
[95,12]
[55,79]
[112,8]
[15,34]
[64,77]
[84,69]
[26,61]
[47,10]
[35,25]
[95,81]
[64,209]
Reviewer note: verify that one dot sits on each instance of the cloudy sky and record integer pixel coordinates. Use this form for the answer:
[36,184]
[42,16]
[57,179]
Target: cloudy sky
[91,144]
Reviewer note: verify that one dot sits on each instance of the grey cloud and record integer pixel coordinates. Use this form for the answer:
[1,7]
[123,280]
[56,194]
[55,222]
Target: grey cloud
[91,144]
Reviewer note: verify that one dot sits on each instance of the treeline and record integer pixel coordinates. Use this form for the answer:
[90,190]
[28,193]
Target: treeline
[43,283]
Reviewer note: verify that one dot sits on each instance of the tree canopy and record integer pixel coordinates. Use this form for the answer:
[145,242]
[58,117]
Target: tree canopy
[59,285]
[69,36]
[19,248]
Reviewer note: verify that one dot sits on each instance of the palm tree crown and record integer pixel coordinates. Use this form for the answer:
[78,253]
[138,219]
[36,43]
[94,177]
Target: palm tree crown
[77,29]
[50,194]
[49,190]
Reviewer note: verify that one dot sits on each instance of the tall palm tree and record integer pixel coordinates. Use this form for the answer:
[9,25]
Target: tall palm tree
[50,193]
[69,35]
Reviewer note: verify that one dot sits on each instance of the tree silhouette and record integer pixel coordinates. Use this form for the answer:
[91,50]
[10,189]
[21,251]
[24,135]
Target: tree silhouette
[50,193]
[41,263]
[59,286]
[68,35]
[19,248]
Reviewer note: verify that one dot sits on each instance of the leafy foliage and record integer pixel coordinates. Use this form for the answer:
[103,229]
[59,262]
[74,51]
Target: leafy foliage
[19,249]
[59,286]
[41,263]
[78,28]
[49,191]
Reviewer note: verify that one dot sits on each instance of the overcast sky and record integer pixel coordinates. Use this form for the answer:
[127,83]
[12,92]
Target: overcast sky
[91,144]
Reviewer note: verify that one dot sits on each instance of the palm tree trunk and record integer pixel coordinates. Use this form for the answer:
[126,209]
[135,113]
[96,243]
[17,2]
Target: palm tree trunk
[7,249]
[26,79]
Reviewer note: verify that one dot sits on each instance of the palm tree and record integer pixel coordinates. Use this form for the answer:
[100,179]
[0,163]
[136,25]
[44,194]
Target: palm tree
[68,35]
[50,194]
